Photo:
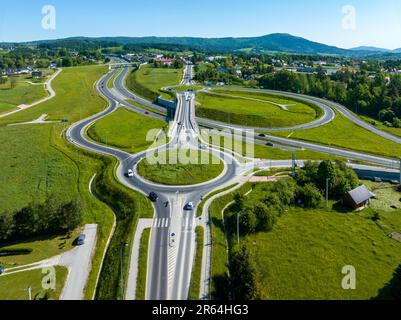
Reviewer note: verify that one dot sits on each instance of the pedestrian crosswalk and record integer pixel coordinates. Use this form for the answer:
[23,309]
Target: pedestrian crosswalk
[160,223]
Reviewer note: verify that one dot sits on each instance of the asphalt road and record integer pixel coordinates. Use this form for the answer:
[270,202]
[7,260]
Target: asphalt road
[162,284]
[172,243]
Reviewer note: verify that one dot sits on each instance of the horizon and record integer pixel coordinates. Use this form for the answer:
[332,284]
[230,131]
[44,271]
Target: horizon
[334,23]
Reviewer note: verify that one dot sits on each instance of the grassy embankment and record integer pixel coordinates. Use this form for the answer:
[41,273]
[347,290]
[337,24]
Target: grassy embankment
[15,286]
[182,173]
[148,81]
[253,110]
[125,130]
[21,93]
[39,162]
[194,291]
[142,266]
[344,134]
[302,258]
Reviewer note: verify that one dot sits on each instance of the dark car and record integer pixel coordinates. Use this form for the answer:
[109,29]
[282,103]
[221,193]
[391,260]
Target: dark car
[270,144]
[64,120]
[153,197]
[81,240]
[2,269]
[262,135]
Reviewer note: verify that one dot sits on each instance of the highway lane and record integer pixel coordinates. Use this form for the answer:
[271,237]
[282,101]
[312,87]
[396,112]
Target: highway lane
[186,136]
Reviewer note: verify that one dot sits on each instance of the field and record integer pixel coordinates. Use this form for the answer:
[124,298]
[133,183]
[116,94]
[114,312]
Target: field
[14,286]
[143,263]
[302,258]
[22,93]
[253,110]
[164,172]
[148,81]
[344,134]
[42,248]
[197,267]
[381,126]
[125,130]
[49,162]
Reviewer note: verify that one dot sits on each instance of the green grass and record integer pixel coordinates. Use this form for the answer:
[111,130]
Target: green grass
[142,267]
[148,81]
[237,108]
[202,204]
[14,286]
[110,83]
[270,153]
[42,248]
[194,291]
[32,168]
[76,99]
[381,126]
[134,103]
[302,258]
[125,130]
[7,107]
[187,88]
[22,93]
[167,173]
[344,134]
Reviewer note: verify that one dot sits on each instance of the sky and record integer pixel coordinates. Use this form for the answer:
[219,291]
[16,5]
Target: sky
[363,22]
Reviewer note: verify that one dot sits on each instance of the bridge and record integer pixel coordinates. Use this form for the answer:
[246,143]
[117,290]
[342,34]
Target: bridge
[122,65]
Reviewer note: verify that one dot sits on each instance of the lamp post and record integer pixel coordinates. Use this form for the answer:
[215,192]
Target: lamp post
[327,192]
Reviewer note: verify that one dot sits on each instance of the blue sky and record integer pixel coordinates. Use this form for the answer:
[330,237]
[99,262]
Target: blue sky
[378,22]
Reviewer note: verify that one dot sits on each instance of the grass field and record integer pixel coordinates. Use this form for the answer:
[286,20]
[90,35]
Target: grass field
[125,130]
[148,81]
[381,126]
[344,134]
[302,258]
[142,266]
[22,93]
[14,286]
[255,111]
[110,83]
[197,268]
[42,248]
[191,173]
[72,168]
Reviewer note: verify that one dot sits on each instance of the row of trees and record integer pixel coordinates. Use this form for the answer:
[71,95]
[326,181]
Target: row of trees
[377,97]
[51,217]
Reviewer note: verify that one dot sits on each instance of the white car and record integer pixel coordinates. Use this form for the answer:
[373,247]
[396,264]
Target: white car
[130,173]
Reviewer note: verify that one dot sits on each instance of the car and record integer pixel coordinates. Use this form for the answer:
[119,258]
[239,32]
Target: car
[270,144]
[130,173]
[376,179]
[189,206]
[64,120]
[394,182]
[81,240]
[166,204]
[153,197]
[2,269]
[262,135]
[146,112]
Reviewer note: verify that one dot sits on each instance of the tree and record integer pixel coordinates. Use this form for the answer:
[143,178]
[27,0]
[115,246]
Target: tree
[69,216]
[310,196]
[6,225]
[244,279]
[266,217]
[247,221]
[326,170]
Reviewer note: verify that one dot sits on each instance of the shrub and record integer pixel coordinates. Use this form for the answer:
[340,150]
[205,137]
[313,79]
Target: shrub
[310,196]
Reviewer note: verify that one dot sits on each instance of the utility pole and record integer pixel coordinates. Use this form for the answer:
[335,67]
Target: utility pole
[400,171]
[327,192]
[29,293]
[294,164]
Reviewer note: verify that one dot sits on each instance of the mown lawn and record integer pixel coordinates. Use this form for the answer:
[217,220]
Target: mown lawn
[22,93]
[42,248]
[142,266]
[148,81]
[15,286]
[253,111]
[194,291]
[38,160]
[181,172]
[303,257]
[125,130]
[345,134]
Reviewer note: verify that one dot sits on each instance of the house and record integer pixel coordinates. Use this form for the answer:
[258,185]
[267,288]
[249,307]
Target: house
[37,74]
[306,70]
[52,66]
[359,198]
[166,62]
